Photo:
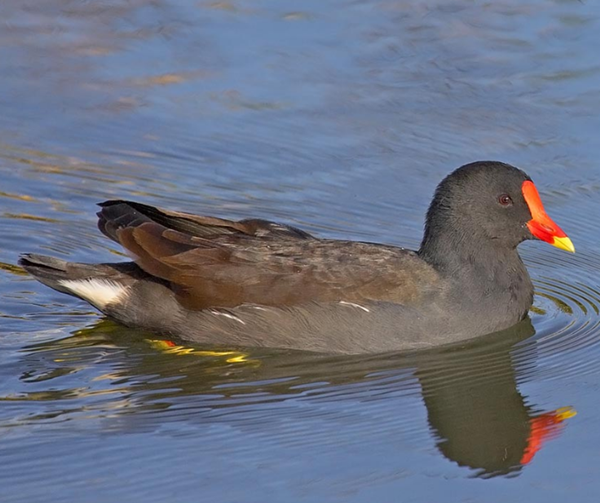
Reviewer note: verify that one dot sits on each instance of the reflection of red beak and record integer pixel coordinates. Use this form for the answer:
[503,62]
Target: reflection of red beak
[541,225]
[542,428]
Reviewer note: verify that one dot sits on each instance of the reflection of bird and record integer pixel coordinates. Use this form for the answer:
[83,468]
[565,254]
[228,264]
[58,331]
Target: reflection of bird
[258,283]
[477,415]
[476,410]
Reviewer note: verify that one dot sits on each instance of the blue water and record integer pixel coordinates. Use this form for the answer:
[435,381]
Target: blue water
[340,117]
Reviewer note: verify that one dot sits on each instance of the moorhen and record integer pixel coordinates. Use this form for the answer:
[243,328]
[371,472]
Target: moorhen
[259,283]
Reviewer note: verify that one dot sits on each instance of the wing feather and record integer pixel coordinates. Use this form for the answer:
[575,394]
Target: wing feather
[211,262]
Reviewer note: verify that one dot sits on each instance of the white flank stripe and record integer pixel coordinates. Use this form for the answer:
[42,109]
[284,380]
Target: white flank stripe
[355,305]
[98,292]
[227,315]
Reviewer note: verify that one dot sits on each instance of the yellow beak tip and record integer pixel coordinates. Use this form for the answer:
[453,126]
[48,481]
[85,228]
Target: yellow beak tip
[564,244]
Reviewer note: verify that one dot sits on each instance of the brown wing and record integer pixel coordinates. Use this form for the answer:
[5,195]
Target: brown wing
[219,263]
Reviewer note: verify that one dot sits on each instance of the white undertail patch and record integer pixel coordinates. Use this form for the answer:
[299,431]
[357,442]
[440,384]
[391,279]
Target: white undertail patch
[98,292]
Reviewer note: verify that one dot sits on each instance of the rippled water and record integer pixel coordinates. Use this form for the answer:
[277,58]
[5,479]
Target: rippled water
[340,117]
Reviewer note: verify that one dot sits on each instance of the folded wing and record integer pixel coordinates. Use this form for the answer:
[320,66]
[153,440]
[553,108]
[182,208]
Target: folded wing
[213,262]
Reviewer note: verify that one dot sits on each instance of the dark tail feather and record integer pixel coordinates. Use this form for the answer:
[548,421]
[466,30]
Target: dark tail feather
[104,286]
[48,270]
[52,271]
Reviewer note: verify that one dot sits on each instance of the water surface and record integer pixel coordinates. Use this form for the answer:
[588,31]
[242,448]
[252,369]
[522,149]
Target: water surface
[339,117]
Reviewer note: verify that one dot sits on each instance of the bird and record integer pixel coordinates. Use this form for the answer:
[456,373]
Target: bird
[255,283]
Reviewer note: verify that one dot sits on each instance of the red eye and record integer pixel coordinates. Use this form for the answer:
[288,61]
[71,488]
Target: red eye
[505,200]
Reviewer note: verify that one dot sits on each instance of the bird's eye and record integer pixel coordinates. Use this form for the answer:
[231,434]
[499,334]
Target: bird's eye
[505,200]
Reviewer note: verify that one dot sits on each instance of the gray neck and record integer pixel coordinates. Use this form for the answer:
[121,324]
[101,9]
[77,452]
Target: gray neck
[490,282]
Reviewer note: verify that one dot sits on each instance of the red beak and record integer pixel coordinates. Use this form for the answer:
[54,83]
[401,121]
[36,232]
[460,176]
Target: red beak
[541,225]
